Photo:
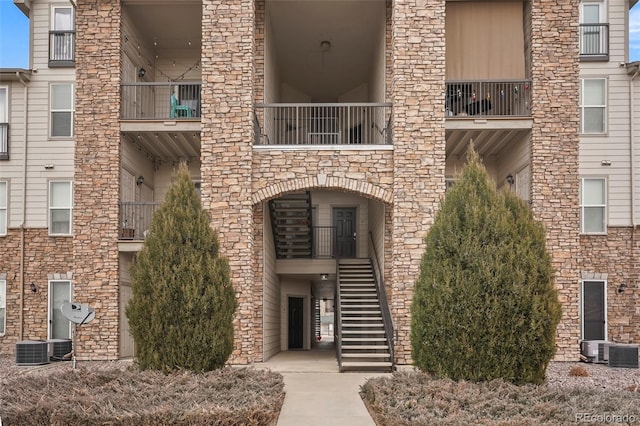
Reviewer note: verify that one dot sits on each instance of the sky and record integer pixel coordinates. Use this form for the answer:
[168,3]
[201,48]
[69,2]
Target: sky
[14,36]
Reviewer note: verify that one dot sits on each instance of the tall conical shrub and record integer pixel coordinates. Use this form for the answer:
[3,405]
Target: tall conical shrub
[182,306]
[484,305]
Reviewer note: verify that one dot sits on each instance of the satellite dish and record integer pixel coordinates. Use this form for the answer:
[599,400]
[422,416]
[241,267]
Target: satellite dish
[78,312]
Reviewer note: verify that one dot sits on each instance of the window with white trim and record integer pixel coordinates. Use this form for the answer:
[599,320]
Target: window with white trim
[593,105]
[3,307]
[62,110]
[3,208]
[4,122]
[593,205]
[60,207]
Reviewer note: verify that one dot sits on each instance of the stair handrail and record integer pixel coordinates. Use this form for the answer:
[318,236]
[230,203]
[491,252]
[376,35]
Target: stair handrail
[337,329]
[378,275]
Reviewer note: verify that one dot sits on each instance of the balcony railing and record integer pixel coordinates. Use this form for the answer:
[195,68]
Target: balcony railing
[594,42]
[135,219]
[4,141]
[323,124]
[62,48]
[160,101]
[504,98]
[323,242]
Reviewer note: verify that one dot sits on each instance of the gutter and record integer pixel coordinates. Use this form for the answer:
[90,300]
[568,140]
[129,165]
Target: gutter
[631,140]
[24,205]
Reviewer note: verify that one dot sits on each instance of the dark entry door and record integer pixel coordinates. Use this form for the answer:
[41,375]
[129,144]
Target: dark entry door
[593,310]
[296,321]
[344,219]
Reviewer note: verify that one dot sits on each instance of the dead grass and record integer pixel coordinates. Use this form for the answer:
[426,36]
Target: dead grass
[127,396]
[578,371]
[413,398]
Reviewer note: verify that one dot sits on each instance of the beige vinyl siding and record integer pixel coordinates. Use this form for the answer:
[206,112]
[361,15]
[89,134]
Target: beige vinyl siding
[376,226]
[295,288]
[636,143]
[137,163]
[11,170]
[511,161]
[271,316]
[162,179]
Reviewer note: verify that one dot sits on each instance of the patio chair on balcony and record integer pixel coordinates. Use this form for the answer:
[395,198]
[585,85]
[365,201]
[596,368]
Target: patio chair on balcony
[178,110]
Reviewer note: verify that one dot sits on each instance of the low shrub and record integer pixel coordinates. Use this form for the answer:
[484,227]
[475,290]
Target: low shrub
[578,371]
[128,397]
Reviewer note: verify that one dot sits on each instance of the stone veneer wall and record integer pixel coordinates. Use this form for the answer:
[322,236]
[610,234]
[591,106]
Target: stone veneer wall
[97,173]
[616,256]
[226,151]
[43,255]
[419,146]
[554,152]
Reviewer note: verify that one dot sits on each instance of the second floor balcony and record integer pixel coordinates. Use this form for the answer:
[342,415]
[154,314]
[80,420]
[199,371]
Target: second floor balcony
[160,101]
[490,98]
[4,141]
[62,48]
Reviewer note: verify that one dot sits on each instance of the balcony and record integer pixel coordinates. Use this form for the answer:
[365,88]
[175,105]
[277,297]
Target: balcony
[493,98]
[135,219]
[4,141]
[160,101]
[323,124]
[594,42]
[62,49]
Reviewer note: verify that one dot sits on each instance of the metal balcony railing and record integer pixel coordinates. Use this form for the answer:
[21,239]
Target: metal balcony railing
[323,242]
[594,42]
[504,98]
[160,101]
[135,219]
[62,48]
[323,124]
[4,141]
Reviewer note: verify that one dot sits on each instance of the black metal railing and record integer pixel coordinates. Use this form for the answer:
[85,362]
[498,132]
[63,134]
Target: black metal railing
[160,101]
[496,98]
[135,219]
[4,141]
[322,124]
[594,42]
[337,321]
[387,320]
[62,48]
[323,242]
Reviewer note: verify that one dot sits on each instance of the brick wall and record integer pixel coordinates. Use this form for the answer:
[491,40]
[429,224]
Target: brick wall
[554,152]
[227,139]
[43,255]
[616,255]
[97,173]
[419,146]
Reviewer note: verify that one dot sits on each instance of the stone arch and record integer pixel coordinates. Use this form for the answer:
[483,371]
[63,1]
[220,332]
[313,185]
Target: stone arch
[320,181]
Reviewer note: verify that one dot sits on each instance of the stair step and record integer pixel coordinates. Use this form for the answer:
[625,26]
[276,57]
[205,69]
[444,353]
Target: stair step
[363,364]
[365,355]
[367,347]
[364,339]
[362,331]
[363,325]
[361,312]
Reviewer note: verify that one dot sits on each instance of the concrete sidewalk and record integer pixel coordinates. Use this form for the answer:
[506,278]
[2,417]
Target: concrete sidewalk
[316,393]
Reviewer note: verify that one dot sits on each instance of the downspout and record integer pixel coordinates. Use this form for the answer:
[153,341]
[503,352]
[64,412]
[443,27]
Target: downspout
[632,148]
[24,205]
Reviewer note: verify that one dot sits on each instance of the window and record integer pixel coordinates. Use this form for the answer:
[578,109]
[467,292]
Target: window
[3,307]
[62,109]
[4,123]
[593,105]
[60,206]
[594,310]
[59,293]
[62,37]
[594,31]
[3,208]
[593,206]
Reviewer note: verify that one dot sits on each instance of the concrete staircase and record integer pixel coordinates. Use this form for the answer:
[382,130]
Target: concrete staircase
[364,343]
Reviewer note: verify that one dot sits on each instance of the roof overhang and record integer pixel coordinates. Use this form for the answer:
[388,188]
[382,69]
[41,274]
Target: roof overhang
[15,74]
[632,3]
[24,6]
[633,67]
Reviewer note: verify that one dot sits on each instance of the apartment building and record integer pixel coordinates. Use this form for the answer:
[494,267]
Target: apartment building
[321,137]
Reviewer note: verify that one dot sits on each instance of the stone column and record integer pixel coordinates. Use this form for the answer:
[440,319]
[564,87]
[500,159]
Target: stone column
[97,174]
[419,146]
[554,152]
[226,154]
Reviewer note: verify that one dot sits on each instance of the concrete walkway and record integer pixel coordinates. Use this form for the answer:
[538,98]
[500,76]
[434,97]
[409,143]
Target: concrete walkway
[316,393]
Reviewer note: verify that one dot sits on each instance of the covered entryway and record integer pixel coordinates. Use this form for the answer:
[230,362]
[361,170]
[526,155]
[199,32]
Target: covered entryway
[296,323]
